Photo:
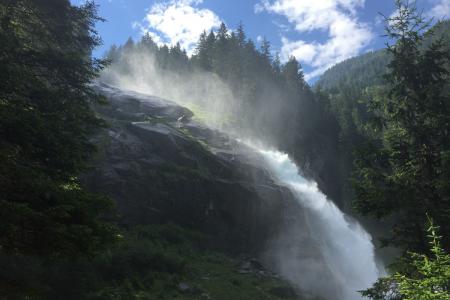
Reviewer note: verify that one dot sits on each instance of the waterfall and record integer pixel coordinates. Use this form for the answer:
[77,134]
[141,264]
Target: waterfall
[347,256]
[323,252]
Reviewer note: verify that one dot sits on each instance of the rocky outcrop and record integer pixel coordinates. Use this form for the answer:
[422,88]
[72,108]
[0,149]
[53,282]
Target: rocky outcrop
[161,166]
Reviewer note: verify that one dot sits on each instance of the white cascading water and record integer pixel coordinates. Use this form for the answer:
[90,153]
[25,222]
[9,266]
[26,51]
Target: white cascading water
[345,246]
[346,262]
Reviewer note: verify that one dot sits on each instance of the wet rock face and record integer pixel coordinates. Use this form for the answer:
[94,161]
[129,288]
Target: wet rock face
[124,105]
[160,166]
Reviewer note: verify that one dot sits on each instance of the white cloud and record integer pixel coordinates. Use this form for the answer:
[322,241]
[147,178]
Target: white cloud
[440,10]
[178,21]
[259,7]
[298,49]
[346,35]
[281,26]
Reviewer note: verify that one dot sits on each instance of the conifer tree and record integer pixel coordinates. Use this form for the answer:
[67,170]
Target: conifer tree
[241,34]
[222,33]
[46,121]
[407,172]
[148,44]
[265,50]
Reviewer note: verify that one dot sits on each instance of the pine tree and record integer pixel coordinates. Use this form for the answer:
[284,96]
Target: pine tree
[241,35]
[293,74]
[424,277]
[276,64]
[113,54]
[177,59]
[148,44]
[265,50]
[46,121]
[222,33]
[204,51]
[407,172]
[129,45]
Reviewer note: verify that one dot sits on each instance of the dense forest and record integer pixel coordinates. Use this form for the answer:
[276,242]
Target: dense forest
[374,132]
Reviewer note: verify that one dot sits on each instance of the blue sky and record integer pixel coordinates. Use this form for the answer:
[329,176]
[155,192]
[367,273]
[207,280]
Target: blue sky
[319,33]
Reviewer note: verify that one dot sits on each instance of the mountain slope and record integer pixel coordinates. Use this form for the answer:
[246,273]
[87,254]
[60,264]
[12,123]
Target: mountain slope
[346,89]
[358,72]
[367,70]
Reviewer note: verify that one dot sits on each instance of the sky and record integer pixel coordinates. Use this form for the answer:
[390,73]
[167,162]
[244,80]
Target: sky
[319,33]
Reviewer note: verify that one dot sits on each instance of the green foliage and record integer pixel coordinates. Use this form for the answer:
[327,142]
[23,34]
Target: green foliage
[426,278]
[433,273]
[356,73]
[153,260]
[403,170]
[384,289]
[45,124]
[348,90]
[148,262]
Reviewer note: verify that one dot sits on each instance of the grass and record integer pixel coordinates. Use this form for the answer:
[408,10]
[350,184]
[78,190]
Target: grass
[223,281]
[153,260]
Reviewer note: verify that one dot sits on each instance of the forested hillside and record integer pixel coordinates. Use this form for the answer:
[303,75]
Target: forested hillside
[356,73]
[367,70]
[350,85]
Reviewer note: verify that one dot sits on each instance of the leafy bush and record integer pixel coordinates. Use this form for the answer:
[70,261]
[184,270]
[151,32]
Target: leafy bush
[427,277]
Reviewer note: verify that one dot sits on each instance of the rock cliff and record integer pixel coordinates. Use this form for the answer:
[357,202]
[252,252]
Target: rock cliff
[160,166]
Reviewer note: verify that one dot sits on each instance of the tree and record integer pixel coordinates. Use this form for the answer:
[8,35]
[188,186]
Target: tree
[129,44]
[177,59]
[406,172]
[293,75]
[265,50]
[204,51]
[276,64]
[113,54]
[222,33]
[428,277]
[240,33]
[46,121]
[148,44]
